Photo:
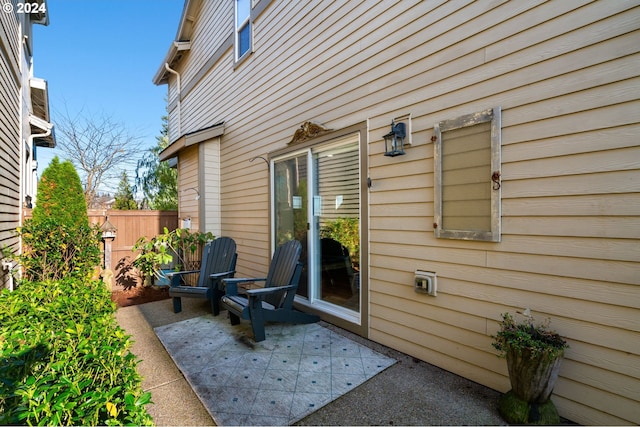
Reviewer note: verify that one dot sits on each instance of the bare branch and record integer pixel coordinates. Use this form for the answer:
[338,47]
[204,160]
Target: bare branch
[98,146]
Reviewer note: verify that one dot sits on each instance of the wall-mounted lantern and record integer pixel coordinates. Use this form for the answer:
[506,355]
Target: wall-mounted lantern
[394,140]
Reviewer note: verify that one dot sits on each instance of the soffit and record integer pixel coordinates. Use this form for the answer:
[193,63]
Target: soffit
[40,119]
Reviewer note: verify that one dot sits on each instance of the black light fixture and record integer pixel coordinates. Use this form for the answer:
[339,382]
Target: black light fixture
[394,140]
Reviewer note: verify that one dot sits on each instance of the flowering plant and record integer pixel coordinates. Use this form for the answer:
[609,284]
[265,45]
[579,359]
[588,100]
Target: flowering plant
[534,339]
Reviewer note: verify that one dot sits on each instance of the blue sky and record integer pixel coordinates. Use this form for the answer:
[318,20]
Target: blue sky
[100,56]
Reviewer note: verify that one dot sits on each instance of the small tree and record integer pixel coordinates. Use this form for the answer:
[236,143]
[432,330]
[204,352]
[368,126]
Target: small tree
[157,180]
[58,240]
[97,146]
[124,195]
[60,195]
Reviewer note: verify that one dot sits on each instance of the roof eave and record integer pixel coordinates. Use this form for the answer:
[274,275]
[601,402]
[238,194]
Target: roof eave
[40,98]
[41,17]
[176,50]
[191,138]
[181,42]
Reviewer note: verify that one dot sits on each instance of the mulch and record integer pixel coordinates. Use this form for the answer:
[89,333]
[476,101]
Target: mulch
[139,295]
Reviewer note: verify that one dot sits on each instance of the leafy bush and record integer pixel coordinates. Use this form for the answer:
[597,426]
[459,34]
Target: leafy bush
[64,360]
[53,250]
[177,247]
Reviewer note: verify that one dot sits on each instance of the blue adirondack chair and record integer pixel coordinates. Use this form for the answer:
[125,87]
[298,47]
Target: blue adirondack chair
[218,262]
[273,302]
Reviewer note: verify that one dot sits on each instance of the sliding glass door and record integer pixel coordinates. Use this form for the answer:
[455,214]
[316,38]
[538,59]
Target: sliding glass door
[336,219]
[290,206]
[316,200]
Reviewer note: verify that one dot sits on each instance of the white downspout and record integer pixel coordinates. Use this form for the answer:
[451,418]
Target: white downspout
[166,66]
[38,135]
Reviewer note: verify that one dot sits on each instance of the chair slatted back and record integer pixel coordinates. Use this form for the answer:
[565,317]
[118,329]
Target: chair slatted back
[282,268]
[218,256]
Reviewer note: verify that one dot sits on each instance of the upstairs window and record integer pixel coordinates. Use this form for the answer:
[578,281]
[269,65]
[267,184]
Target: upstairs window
[467,177]
[243,28]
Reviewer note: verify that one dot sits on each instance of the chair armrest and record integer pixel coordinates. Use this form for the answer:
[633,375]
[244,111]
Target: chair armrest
[244,279]
[214,279]
[231,284]
[180,273]
[221,275]
[269,290]
[174,276]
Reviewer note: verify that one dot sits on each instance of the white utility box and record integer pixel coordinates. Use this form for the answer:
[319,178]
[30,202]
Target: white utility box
[426,282]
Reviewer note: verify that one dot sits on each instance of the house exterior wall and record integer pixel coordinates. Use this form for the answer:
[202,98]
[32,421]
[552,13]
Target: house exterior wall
[566,76]
[210,189]
[187,181]
[11,82]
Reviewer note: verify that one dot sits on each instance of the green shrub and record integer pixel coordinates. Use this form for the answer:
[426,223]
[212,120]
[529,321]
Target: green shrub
[53,250]
[64,360]
[177,247]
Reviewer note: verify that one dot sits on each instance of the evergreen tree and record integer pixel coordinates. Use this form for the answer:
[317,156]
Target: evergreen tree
[124,195]
[157,180]
[60,195]
[58,240]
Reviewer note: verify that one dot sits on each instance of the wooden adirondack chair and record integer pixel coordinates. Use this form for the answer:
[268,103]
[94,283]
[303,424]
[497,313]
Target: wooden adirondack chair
[218,261]
[273,302]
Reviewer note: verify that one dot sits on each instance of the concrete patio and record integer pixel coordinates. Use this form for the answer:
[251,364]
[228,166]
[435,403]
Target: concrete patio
[410,392]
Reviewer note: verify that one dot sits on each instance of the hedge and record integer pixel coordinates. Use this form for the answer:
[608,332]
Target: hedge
[64,360]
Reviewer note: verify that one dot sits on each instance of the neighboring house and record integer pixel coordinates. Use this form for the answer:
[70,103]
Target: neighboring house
[24,119]
[520,185]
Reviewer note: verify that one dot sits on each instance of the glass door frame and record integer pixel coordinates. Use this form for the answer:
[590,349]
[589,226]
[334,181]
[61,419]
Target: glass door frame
[346,318]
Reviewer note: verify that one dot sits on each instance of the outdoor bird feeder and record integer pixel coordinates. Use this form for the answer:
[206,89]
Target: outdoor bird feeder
[394,140]
[108,230]
[108,235]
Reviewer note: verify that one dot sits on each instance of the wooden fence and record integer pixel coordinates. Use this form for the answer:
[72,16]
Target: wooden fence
[130,226]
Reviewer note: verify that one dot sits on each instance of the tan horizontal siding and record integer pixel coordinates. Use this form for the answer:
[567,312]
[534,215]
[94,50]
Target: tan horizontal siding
[214,33]
[210,178]
[565,74]
[9,134]
[188,178]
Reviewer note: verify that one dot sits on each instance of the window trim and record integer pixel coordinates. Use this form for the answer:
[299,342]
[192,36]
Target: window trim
[494,116]
[237,27]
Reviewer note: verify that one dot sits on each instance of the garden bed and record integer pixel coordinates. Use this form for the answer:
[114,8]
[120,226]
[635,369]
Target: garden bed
[139,295]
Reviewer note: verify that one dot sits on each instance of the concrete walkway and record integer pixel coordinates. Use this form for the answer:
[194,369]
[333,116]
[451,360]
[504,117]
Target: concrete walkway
[410,392]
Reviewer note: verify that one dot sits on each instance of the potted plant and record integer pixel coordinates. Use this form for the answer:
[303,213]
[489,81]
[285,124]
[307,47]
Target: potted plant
[534,354]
